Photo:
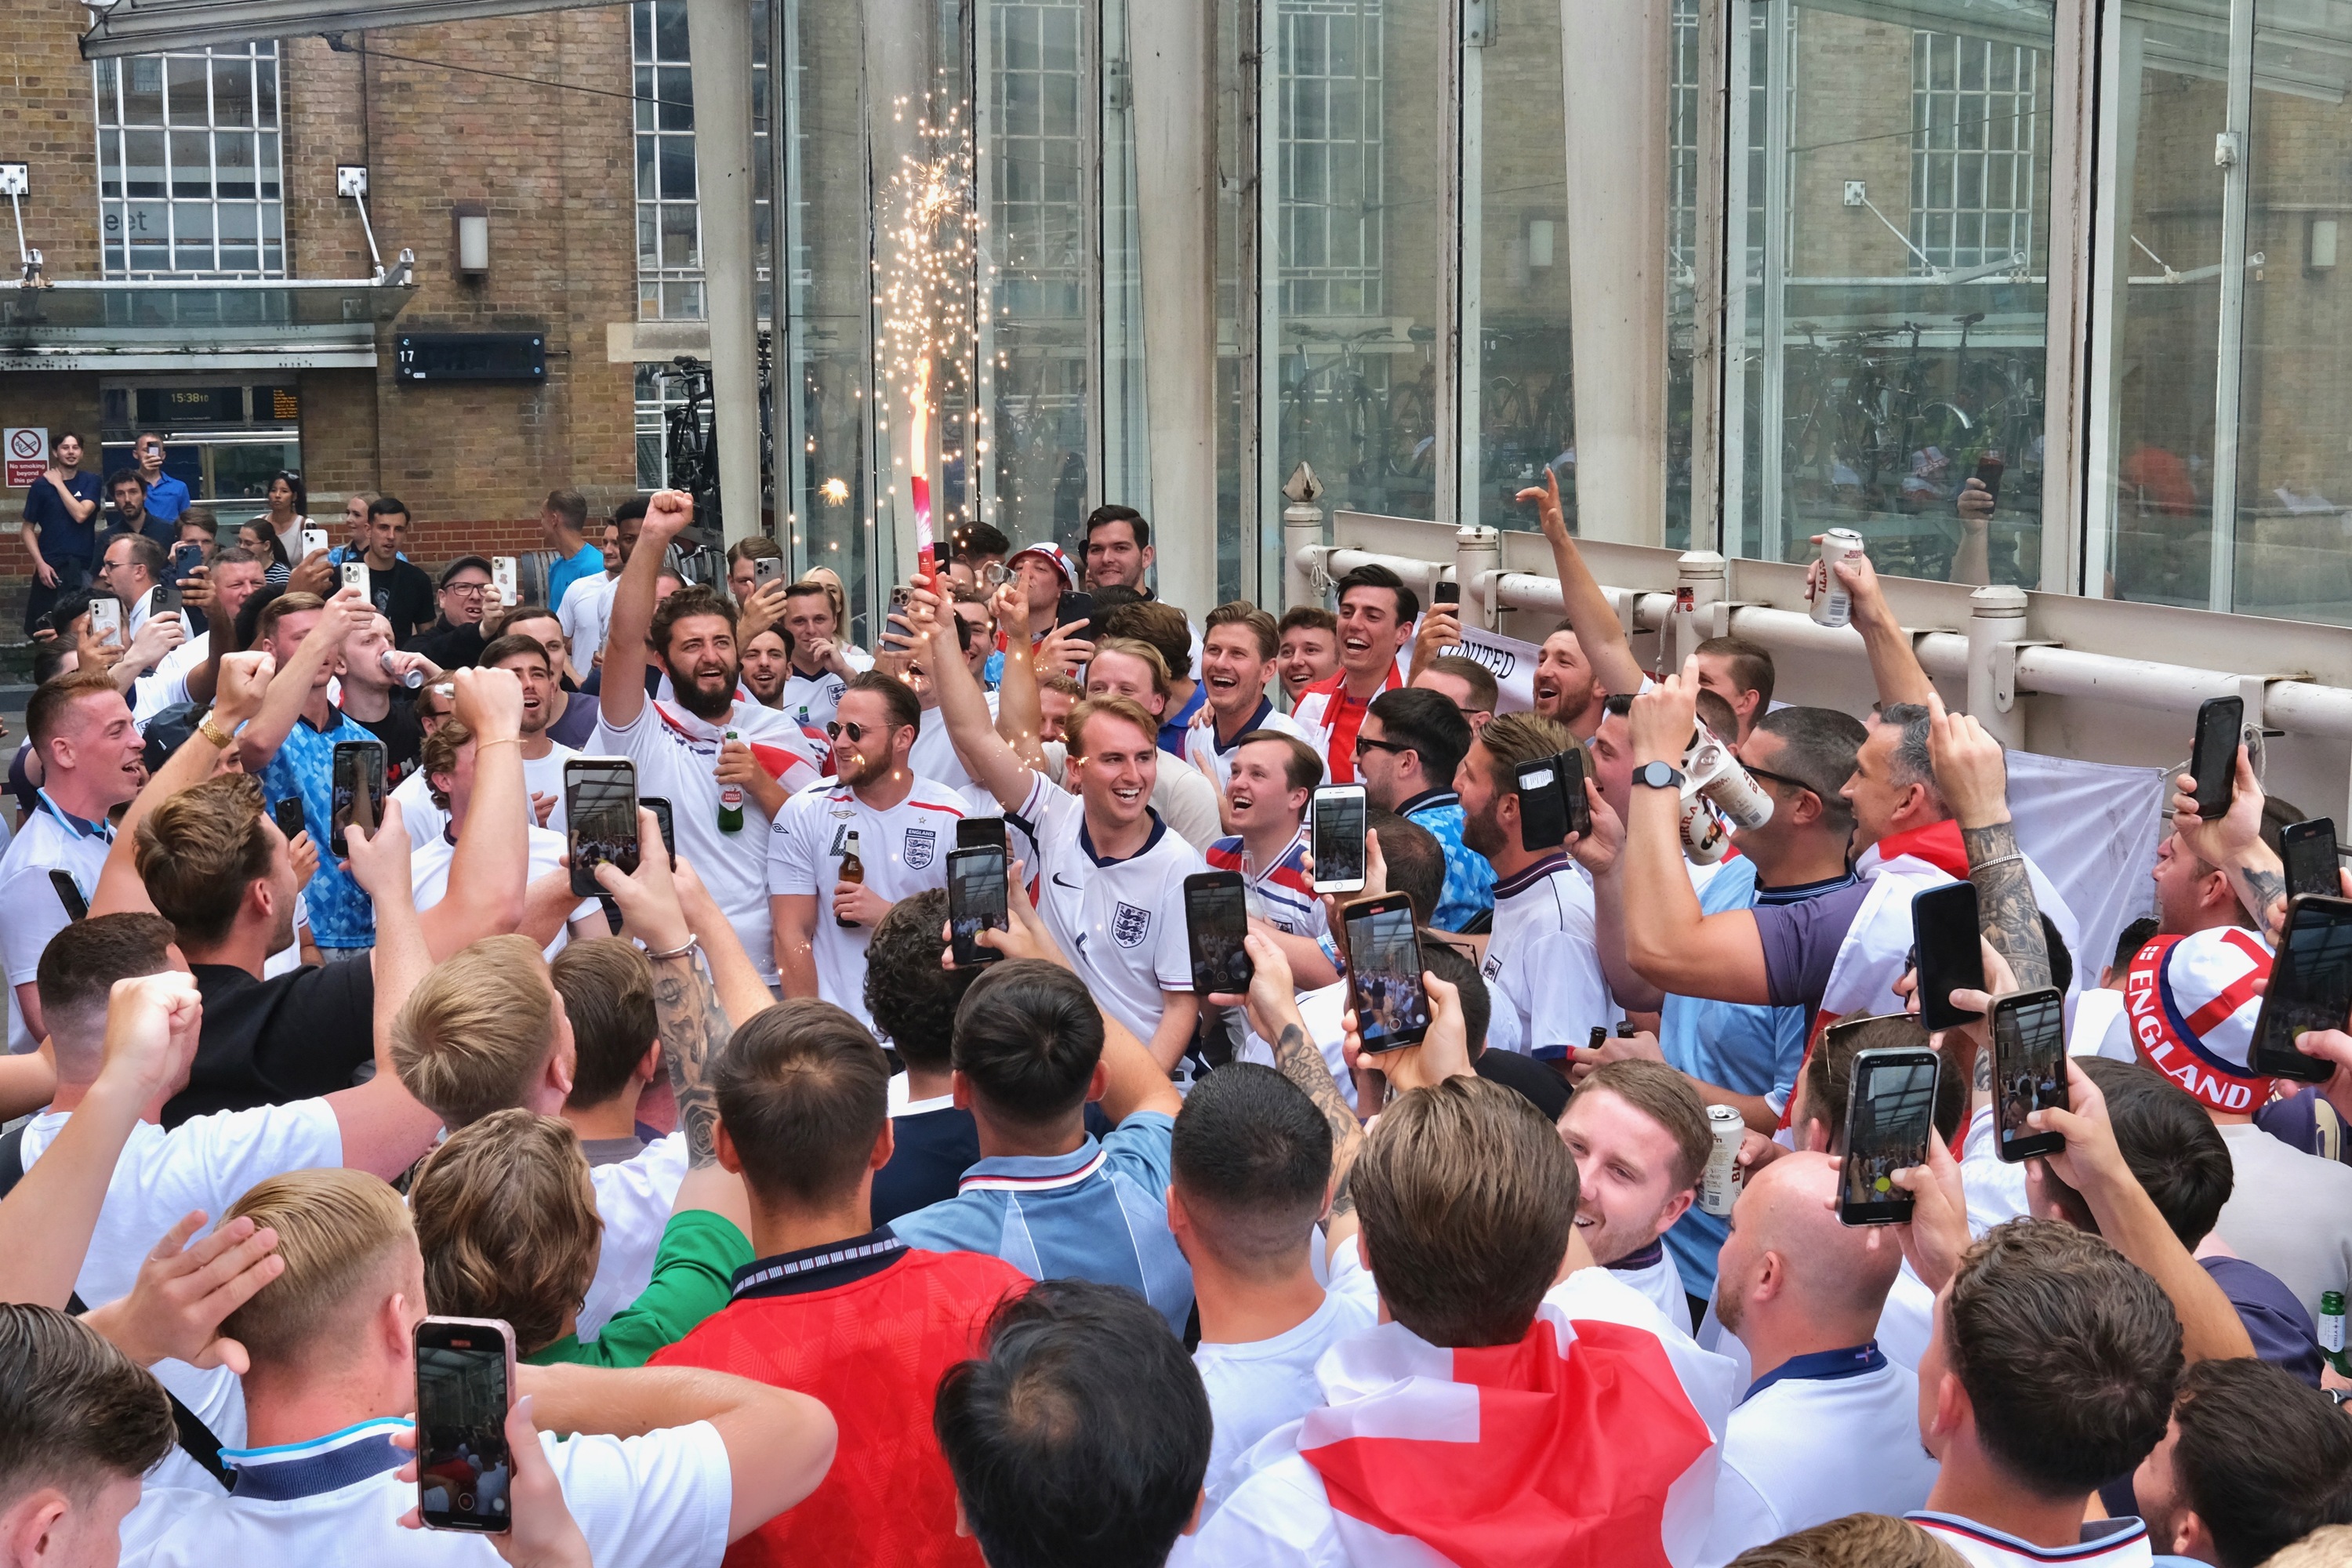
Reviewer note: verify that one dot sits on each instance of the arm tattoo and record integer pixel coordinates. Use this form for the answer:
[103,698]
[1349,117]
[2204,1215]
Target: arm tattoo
[2006,911]
[2258,888]
[1303,1065]
[694,1030]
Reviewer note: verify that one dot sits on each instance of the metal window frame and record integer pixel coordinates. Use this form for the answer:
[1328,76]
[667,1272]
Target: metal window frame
[112,120]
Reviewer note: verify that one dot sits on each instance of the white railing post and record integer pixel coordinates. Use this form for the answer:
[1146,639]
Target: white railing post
[1477,552]
[1996,618]
[1302,529]
[1704,573]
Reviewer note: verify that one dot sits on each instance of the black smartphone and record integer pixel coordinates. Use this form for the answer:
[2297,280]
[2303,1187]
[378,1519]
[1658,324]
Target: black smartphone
[600,810]
[981,833]
[69,894]
[2214,762]
[2309,850]
[1543,804]
[1384,973]
[185,560]
[1336,839]
[2310,988]
[976,895]
[2029,1070]
[1890,1114]
[167,599]
[1445,591]
[666,821]
[1945,944]
[1216,914]
[1074,607]
[289,816]
[1988,473]
[464,1381]
[358,784]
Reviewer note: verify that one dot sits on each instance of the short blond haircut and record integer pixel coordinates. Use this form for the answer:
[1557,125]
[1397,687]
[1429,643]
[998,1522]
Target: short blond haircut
[1074,728]
[1136,648]
[477,1030]
[338,1233]
[1857,1541]
[506,1214]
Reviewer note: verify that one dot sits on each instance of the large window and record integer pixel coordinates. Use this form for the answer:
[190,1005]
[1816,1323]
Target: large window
[669,220]
[1332,142]
[189,174]
[1973,115]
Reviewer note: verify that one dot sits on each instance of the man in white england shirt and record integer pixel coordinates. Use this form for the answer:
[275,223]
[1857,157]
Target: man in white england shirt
[90,751]
[1109,874]
[1828,1426]
[1541,958]
[1641,1139]
[822,662]
[587,607]
[1237,650]
[904,825]
[679,745]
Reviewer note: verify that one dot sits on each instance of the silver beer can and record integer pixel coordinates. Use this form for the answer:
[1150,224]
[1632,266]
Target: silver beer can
[1727,785]
[1720,1187]
[412,677]
[1833,606]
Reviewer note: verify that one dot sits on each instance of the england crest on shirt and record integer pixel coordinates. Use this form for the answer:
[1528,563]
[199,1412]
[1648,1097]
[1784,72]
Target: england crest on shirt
[921,844]
[1129,925]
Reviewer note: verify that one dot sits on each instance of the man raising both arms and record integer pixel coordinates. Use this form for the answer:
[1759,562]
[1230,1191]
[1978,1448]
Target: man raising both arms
[680,746]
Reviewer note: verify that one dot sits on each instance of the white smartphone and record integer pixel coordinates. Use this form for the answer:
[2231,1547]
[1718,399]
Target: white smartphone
[314,540]
[1337,839]
[106,620]
[503,578]
[355,576]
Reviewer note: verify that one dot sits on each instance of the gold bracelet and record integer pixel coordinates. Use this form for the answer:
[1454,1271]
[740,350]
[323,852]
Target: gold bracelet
[481,746]
[222,740]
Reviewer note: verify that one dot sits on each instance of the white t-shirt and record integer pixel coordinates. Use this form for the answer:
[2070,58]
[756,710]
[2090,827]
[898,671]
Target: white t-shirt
[1660,1283]
[166,685]
[46,842]
[428,874]
[1320,1011]
[585,612]
[904,850]
[1542,959]
[659,1501]
[1908,1322]
[933,755]
[2289,1212]
[1819,1441]
[811,700]
[1255,1387]
[633,1199]
[1120,921]
[2106,1543]
[540,775]
[676,756]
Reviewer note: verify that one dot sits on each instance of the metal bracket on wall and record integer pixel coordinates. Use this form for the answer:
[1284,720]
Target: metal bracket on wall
[16,183]
[1477,23]
[2004,668]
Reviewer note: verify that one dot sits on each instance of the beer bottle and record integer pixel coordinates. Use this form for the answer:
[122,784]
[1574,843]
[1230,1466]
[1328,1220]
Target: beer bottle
[2331,1331]
[853,868]
[730,802]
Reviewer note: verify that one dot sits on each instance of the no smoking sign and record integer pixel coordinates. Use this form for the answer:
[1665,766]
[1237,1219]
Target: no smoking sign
[27,450]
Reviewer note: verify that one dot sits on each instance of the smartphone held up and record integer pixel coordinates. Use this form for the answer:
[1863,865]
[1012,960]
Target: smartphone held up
[1384,984]
[464,1382]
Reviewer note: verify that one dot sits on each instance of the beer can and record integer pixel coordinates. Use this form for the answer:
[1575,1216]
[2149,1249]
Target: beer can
[1720,1187]
[1833,606]
[412,677]
[1716,771]
[1705,835]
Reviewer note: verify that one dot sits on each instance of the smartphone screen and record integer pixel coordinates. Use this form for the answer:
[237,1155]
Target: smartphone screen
[2310,988]
[2215,761]
[1384,973]
[1945,939]
[2309,850]
[289,816]
[2029,1070]
[976,894]
[1339,839]
[665,822]
[357,792]
[1543,807]
[600,809]
[465,1369]
[1217,912]
[1890,1114]
[979,833]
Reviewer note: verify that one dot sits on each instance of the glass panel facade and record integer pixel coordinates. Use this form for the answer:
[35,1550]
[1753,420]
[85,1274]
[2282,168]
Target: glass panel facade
[188,176]
[669,226]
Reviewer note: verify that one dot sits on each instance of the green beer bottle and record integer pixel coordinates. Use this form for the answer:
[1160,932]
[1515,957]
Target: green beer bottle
[730,802]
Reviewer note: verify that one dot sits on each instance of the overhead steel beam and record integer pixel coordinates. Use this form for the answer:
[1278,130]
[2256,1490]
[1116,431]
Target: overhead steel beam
[145,26]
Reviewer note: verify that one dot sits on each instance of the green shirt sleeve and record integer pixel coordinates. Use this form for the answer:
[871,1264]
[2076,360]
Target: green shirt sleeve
[694,1272]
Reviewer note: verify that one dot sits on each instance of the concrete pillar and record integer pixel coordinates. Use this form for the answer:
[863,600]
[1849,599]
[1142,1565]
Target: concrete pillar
[1996,617]
[1171,44]
[719,35]
[1477,552]
[1614,60]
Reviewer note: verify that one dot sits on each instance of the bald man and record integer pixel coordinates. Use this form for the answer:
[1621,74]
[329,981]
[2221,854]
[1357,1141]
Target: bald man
[1829,1426]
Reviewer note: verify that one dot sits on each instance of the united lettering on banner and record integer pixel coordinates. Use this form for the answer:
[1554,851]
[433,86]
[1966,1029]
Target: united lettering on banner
[1129,925]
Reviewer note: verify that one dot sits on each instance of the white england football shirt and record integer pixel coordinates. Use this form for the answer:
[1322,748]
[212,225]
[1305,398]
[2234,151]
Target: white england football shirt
[676,756]
[933,755]
[811,700]
[167,684]
[428,874]
[1201,737]
[1281,891]
[1120,921]
[2105,1543]
[586,611]
[905,852]
[50,840]
[1542,960]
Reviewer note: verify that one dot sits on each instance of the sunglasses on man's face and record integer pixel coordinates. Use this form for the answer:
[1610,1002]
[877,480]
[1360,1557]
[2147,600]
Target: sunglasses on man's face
[856,732]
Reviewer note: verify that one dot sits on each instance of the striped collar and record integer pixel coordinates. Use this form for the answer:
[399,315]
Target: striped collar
[1035,1172]
[1087,841]
[1429,800]
[821,1267]
[1250,727]
[1526,876]
[1647,1258]
[1822,1366]
[316,1466]
[2100,1536]
[79,827]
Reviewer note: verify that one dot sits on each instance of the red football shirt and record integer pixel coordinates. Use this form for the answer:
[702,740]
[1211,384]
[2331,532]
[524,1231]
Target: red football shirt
[873,1349]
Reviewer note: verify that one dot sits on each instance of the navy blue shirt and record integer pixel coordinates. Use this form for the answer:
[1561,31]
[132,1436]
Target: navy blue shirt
[63,539]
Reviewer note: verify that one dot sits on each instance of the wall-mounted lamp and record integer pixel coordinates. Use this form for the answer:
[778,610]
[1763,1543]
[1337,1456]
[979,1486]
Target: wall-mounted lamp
[2319,246]
[470,239]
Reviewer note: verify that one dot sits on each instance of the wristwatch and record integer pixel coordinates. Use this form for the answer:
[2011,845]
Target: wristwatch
[1659,775]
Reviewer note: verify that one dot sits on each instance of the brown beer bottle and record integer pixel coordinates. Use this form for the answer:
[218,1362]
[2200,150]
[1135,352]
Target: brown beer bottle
[853,868]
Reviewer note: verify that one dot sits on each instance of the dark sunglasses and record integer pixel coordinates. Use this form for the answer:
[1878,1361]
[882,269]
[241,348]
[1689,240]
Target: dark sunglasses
[1363,745]
[1778,778]
[856,732]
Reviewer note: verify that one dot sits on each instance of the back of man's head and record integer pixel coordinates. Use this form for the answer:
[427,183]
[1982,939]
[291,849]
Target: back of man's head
[2068,1353]
[475,1033]
[1511,739]
[346,1242]
[1081,1436]
[1831,1272]
[1160,626]
[1827,1073]
[79,969]
[1028,1040]
[2174,1149]
[76,1413]
[506,1214]
[1416,860]
[911,995]
[1431,724]
[608,994]
[803,1093]
[1857,1541]
[2329,1546]
[1476,678]
[1252,1163]
[2261,1459]
[1440,957]
[199,850]
[1468,1197]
